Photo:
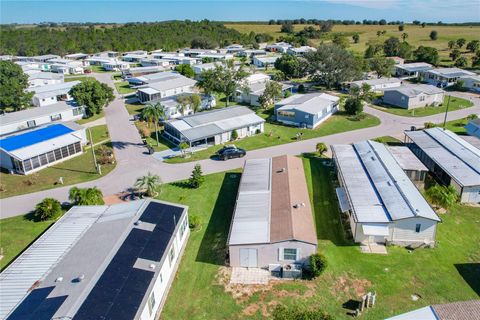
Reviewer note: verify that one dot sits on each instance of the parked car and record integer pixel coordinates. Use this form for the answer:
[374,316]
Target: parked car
[230,152]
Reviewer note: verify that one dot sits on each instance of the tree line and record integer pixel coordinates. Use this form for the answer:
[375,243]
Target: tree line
[169,36]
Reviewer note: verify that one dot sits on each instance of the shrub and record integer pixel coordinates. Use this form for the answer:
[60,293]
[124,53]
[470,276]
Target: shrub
[282,312]
[234,135]
[429,125]
[145,132]
[48,209]
[353,106]
[258,131]
[301,88]
[318,264]
[105,155]
[472,116]
[194,221]
[444,196]
[197,178]
[287,94]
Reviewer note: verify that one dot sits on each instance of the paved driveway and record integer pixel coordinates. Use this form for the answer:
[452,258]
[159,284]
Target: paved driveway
[133,161]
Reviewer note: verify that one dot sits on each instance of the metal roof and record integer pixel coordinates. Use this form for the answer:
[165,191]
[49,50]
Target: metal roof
[413,90]
[45,75]
[455,156]
[375,82]
[33,113]
[54,89]
[98,242]
[406,159]
[415,66]
[251,218]
[311,103]
[376,185]
[451,72]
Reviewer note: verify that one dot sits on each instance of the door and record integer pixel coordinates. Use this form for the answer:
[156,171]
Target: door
[248,258]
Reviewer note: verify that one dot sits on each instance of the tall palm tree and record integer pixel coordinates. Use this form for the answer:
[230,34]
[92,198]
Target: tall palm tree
[153,113]
[151,183]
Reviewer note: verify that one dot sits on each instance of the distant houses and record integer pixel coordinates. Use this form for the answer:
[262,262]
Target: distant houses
[411,70]
[377,85]
[380,201]
[265,61]
[414,96]
[28,151]
[452,160]
[51,94]
[300,51]
[445,77]
[306,110]
[272,225]
[280,47]
[106,261]
[161,85]
[115,65]
[213,127]
[471,82]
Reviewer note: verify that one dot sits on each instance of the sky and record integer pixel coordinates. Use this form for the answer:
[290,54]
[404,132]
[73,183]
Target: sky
[22,11]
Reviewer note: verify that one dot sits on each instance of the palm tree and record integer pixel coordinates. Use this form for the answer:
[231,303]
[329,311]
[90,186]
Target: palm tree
[150,183]
[153,113]
[85,196]
[321,148]
[404,36]
[444,196]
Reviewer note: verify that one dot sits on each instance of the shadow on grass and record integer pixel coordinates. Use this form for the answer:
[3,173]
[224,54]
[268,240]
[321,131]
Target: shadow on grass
[325,204]
[182,184]
[213,246]
[470,273]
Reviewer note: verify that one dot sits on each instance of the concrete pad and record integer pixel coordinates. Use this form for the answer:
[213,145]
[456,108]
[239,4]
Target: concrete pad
[249,276]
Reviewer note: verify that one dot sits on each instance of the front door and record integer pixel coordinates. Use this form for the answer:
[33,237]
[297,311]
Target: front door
[248,258]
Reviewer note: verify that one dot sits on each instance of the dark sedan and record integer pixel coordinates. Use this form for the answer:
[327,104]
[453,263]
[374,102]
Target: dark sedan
[230,152]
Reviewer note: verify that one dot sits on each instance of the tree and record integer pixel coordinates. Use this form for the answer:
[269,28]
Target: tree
[455,54]
[47,209]
[461,62]
[85,196]
[185,70]
[472,116]
[286,28]
[444,196]
[473,45]
[404,36]
[340,41]
[153,113]
[13,83]
[373,49]
[289,65]
[461,42]
[423,24]
[405,50]
[401,28]
[197,178]
[428,125]
[353,106]
[93,95]
[331,65]
[476,59]
[382,66]
[391,47]
[451,44]
[356,38]
[272,91]
[151,183]
[183,146]
[427,54]
[434,35]
[321,148]
[234,135]
[203,43]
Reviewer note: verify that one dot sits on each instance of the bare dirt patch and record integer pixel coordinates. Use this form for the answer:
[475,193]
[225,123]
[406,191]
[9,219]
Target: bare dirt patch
[350,286]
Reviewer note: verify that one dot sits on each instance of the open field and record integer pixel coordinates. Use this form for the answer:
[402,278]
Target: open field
[455,104]
[75,170]
[417,36]
[442,274]
[276,134]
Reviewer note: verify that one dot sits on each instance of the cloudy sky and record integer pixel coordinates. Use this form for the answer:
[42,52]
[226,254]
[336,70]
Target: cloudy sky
[20,11]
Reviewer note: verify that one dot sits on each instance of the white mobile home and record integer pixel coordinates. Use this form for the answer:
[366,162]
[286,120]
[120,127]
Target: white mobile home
[99,262]
[445,77]
[300,51]
[50,94]
[414,96]
[115,65]
[280,47]
[264,62]
[377,85]
[451,159]
[380,201]
[471,82]
[272,225]
[411,70]
[39,79]
[170,85]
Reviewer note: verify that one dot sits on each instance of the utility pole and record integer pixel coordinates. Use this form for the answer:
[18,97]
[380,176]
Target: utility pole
[93,151]
[446,112]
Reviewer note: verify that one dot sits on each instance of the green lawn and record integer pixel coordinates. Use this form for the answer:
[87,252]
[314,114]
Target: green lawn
[123,87]
[457,126]
[276,134]
[17,233]
[79,78]
[434,274]
[99,133]
[98,69]
[134,109]
[388,140]
[455,104]
[92,118]
[73,171]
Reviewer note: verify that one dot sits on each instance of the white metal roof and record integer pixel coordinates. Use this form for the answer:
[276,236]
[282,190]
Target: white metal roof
[455,156]
[415,66]
[33,113]
[406,159]
[57,88]
[451,72]
[413,90]
[425,313]
[251,219]
[311,103]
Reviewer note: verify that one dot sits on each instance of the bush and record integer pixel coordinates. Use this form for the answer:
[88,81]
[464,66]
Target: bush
[105,155]
[318,264]
[48,209]
[301,88]
[282,312]
[353,106]
[234,135]
[145,132]
[194,221]
[258,131]
[428,125]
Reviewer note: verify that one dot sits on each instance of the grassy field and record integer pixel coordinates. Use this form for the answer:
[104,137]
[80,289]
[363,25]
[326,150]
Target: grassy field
[123,87]
[17,233]
[442,274]
[455,104]
[73,171]
[276,134]
[417,36]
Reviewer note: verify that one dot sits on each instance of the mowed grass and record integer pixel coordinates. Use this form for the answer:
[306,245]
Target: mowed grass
[276,134]
[417,36]
[91,118]
[75,170]
[442,274]
[454,104]
[78,78]
[123,87]
[17,233]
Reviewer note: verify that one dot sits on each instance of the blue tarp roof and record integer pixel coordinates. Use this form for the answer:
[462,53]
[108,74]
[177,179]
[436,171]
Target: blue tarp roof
[33,137]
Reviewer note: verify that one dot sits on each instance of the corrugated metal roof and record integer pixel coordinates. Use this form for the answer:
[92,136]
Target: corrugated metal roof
[57,87]
[45,146]
[33,113]
[413,90]
[251,219]
[312,103]
[415,66]
[406,159]
[455,156]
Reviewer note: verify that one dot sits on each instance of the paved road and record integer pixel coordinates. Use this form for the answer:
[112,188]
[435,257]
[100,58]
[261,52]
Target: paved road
[132,160]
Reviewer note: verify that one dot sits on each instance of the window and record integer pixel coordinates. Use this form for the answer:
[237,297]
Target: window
[418,226]
[171,255]
[71,149]
[31,123]
[183,227]
[287,114]
[289,254]
[422,98]
[151,303]
[43,159]
[56,117]
[35,162]
[27,165]
[51,156]
[65,152]
[58,154]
